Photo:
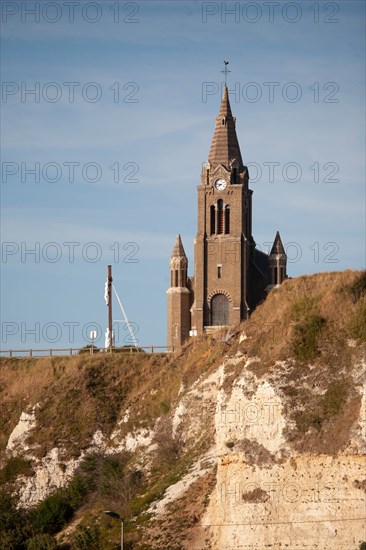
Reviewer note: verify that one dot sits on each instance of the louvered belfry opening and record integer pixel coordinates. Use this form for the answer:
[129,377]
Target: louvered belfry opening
[227,219]
[212,219]
[220,217]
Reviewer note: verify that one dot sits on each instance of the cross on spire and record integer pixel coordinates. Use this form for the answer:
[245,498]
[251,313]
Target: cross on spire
[226,70]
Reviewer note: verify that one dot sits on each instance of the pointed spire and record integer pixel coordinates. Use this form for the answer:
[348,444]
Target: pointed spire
[225,145]
[178,250]
[225,109]
[277,247]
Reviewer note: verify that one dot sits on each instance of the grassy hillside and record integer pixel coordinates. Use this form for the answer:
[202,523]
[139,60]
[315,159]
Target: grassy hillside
[316,324]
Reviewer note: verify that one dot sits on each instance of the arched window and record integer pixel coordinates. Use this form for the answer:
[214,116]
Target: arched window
[227,219]
[212,219]
[176,277]
[223,121]
[219,310]
[171,278]
[220,217]
[234,175]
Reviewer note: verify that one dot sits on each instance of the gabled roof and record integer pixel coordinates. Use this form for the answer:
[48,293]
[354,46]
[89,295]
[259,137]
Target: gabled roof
[277,247]
[178,250]
[225,145]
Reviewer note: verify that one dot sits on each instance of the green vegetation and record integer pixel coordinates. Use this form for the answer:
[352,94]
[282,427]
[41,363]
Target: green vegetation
[304,307]
[328,405]
[355,291]
[128,349]
[308,327]
[14,467]
[357,288]
[107,477]
[87,538]
[302,333]
[89,349]
[51,514]
[41,542]
[14,528]
[357,325]
[307,334]
[335,397]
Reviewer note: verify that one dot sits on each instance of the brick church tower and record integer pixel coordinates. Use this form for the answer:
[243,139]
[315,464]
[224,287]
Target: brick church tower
[231,276]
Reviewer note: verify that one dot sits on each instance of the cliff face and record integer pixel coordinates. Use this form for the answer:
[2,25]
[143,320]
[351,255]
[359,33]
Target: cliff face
[269,494]
[251,443]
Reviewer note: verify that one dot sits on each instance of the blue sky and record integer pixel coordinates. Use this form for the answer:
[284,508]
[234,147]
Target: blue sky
[164,58]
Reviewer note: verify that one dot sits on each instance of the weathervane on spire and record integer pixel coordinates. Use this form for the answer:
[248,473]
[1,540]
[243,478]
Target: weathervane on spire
[226,71]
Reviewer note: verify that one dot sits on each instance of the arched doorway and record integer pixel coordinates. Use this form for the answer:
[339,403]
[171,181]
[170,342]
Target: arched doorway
[219,310]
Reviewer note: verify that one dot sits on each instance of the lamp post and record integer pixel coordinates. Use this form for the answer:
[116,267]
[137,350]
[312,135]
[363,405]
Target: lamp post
[116,516]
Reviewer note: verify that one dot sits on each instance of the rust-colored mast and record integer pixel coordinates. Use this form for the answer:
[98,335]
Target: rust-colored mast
[110,320]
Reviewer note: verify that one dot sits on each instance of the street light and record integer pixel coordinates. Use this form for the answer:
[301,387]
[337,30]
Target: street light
[116,516]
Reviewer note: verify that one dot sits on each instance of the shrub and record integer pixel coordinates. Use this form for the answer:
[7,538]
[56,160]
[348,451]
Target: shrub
[14,467]
[51,514]
[41,542]
[14,529]
[307,332]
[357,289]
[87,349]
[304,420]
[110,477]
[335,397]
[128,349]
[169,446]
[77,491]
[164,406]
[357,324]
[303,307]
[87,538]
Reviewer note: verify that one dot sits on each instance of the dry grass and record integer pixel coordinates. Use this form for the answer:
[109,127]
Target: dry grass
[78,395]
[272,327]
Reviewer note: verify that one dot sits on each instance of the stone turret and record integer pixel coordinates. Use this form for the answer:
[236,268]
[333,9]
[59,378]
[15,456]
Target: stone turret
[277,262]
[179,317]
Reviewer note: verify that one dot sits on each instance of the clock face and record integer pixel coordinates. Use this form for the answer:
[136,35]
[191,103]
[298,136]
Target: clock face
[220,184]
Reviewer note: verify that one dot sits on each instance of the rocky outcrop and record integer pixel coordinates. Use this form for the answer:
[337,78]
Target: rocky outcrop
[268,429]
